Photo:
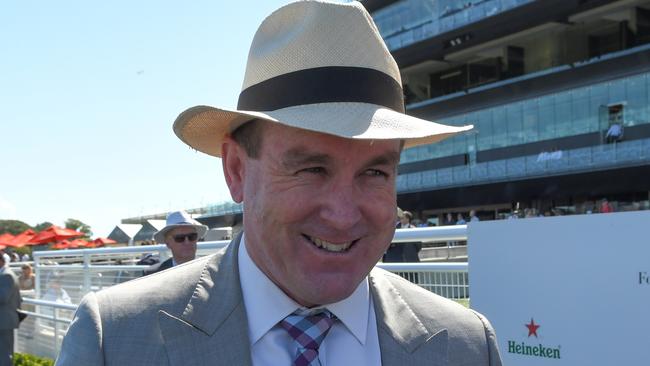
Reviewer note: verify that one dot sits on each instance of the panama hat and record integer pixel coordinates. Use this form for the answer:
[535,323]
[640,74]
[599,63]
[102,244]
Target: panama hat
[179,219]
[320,66]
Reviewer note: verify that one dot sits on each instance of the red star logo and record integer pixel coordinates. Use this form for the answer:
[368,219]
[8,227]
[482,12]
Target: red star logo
[532,328]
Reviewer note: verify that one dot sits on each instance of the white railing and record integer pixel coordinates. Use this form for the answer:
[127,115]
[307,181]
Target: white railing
[43,330]
[445,279]
[64,277]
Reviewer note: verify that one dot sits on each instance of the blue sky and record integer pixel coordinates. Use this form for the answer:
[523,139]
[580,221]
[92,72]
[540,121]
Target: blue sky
[88,95]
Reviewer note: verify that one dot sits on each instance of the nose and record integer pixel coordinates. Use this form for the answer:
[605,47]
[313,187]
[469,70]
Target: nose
[340,206]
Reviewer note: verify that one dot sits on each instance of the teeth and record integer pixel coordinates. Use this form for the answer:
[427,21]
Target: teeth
[331,247]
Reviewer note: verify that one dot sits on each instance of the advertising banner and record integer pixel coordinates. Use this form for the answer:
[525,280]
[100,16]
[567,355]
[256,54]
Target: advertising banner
[567,290]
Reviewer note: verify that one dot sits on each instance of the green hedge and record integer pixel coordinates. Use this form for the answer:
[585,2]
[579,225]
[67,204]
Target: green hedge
[23,359]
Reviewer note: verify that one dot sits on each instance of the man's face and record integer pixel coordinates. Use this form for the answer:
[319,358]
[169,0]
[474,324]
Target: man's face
[404,220]
[184,251]
[319,210]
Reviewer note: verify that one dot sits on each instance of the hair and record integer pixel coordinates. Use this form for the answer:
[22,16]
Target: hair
[25,266]
[249,137]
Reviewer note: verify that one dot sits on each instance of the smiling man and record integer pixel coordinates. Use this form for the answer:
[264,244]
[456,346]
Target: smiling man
[312,153]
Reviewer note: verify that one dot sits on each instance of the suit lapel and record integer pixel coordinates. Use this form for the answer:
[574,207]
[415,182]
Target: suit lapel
[403,338]
[213,329]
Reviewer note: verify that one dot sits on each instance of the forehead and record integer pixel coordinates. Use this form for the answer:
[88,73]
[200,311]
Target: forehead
[289,140]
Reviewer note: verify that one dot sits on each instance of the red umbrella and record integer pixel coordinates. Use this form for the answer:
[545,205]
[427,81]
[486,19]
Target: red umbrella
[6,239]
[63,244]
[100,242]
[76,243]
[54,233]
[22,239]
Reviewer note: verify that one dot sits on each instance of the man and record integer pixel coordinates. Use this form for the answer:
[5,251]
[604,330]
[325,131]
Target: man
[9,303]
[312,152]
[411,250]
[404,252]
[473,217]
[180,235]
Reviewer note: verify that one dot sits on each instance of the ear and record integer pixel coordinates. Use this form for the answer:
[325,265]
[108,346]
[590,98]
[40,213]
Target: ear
[233,160]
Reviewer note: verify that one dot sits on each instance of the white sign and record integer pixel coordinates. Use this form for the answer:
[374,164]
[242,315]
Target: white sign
[568,290]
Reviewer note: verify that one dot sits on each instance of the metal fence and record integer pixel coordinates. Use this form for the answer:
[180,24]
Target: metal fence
[64,277]
[43,330]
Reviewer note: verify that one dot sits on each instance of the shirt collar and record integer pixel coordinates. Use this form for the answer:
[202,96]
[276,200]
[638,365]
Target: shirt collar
[266,304]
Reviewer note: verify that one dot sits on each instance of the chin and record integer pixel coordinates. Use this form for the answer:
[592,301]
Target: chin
[334,294]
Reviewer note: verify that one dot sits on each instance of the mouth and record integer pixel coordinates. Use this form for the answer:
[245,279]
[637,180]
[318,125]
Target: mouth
[330,247]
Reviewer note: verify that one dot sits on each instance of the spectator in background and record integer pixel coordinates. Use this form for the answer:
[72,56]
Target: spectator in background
[605,207]
[614,133]
[55,291]
[449,219]
[395,251]
[27,279]
[410,251]
[25,258]
[473,217]
[180,235]
[460,220]
[9,303]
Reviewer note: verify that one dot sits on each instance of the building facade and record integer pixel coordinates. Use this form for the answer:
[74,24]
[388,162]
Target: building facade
[558,93]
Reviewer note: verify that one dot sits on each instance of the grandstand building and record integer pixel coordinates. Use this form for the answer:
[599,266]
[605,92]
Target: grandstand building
[558,92]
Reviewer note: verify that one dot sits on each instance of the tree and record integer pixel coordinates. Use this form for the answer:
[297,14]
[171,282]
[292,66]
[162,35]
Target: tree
[42,226]
[13,227]
[79,226]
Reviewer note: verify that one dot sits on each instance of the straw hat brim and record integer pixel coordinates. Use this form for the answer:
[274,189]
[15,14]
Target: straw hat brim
[204,128]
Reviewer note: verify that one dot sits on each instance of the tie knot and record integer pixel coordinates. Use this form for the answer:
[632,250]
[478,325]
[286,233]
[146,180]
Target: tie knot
[308,330]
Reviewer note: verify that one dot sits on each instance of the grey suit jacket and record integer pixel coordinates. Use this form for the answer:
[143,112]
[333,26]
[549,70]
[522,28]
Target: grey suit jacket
[194,315]
[9,299]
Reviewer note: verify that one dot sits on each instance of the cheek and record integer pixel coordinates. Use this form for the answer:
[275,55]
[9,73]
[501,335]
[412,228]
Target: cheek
[382,207]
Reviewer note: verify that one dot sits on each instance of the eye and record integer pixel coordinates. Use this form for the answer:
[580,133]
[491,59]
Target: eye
[375,173]
[313,170]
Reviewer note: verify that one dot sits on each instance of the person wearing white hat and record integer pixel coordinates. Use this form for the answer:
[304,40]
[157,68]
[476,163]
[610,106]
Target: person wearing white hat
[180,234]
[312,152]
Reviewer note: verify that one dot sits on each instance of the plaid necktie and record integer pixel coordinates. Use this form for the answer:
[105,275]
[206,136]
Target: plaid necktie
[308,330]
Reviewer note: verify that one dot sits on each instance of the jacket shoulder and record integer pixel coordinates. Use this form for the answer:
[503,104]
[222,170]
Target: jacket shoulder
[470,334]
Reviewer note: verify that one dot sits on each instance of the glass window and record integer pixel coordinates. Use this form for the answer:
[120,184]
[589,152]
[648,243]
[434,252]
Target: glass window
[445,148]
[484,129]
[573,112]
[460,141]
[515,121]
[546,117]
[409,155]
[563,121]
[597,100]
[580,115]
[616,91]
[530,120]
[499,127]
[636,109]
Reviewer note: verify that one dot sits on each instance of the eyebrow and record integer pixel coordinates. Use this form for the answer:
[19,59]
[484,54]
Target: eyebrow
[301,156]
[390,158]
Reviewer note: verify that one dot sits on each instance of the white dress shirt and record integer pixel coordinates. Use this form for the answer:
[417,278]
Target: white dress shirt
[352,340]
